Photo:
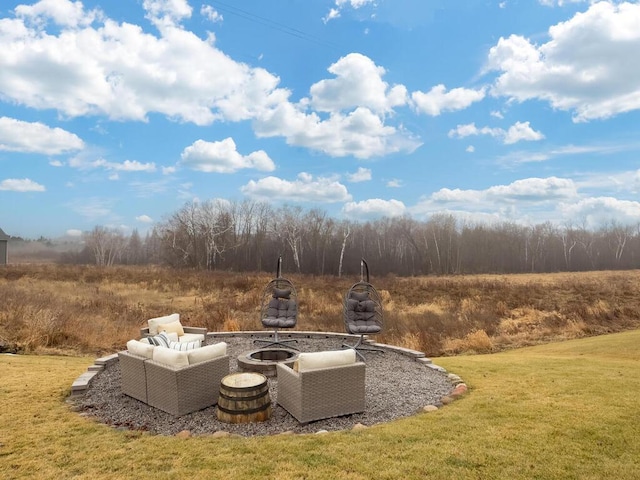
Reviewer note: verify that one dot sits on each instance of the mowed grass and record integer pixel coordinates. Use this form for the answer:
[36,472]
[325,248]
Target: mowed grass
[566,410]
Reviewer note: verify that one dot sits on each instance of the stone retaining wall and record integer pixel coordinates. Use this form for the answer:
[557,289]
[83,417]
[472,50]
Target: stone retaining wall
[82,383]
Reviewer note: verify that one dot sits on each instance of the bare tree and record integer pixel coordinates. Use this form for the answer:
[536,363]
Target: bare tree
[106,244]
[216,228]
[346,231]
[288,227]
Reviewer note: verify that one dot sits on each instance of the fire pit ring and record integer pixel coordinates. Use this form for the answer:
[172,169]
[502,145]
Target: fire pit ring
[264,360]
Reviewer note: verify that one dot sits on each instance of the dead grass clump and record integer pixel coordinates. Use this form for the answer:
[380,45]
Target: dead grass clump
[231,325]
[474,342]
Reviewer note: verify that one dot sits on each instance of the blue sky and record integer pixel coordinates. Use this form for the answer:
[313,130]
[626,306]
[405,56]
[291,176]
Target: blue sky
[118,113]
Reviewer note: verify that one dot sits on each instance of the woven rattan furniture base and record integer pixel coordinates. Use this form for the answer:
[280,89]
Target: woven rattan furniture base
[182,390]
[322,393]
[133,377]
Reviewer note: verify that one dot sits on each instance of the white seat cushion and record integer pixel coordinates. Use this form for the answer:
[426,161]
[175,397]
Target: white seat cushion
[313,360]
[168,356]
[208,352]
[142,349]
[191,337]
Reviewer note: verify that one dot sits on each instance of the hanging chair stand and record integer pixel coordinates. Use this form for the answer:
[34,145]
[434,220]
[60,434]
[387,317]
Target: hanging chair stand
[363,287]
[276,290]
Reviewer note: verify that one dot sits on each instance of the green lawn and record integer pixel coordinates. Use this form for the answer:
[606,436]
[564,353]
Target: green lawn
[559,411]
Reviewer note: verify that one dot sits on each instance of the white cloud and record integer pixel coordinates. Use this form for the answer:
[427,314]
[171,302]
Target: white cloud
[304,189]
[534,190]
[527,200]
[358,83]
[360,133]
[211,14]
[332,15]
[144,219]
[560,3]
[438,100]
[584,67]
[35,137]
[63,12]
[598,211]
[374,207]
[520,131]
[83,162]
[394,183]
[21,185]
[470,149]
[119,71]
[74,232]
[470,129]
[93,208]
[361,175]
[518,157]
[342,4]
[222,157]
[96,66]
[166,12]
[613,182]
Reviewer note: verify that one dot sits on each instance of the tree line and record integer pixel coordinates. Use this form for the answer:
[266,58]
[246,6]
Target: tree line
[250,235]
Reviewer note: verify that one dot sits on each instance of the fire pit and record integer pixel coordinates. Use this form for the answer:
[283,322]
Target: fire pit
[264,361]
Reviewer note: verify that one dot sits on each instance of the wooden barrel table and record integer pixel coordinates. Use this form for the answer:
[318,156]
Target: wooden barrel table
[244,398]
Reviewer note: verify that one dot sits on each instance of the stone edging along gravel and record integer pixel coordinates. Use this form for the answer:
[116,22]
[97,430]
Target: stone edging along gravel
[399,383]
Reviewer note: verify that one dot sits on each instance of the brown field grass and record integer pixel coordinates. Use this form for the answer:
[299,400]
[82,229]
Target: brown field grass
[65,309]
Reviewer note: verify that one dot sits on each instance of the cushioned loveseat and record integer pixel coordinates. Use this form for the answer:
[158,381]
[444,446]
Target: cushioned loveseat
[177,382]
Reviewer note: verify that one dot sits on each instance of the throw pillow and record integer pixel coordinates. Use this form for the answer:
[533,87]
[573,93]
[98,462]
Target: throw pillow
[160,340]
[175,327]
[154,322]
[184,346]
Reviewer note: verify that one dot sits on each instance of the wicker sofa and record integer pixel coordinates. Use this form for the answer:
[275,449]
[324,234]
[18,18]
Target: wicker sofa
[331,385]
[172,381]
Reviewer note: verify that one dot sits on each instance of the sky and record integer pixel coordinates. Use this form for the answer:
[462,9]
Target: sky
[117,114]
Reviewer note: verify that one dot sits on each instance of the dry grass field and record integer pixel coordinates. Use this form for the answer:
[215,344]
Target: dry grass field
[79,310]
[563,410]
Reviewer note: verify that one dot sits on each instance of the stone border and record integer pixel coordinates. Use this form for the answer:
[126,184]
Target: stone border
[83,382]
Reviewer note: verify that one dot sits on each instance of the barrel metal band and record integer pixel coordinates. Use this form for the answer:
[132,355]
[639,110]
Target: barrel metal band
[252,397]
[245,412]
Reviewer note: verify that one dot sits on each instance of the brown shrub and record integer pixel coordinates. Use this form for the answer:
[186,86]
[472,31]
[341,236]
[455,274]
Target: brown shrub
[90,309]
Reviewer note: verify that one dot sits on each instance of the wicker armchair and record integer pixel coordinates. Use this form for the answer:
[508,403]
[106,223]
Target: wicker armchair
[322,393]
[190,333]
[185,334]
[182,390]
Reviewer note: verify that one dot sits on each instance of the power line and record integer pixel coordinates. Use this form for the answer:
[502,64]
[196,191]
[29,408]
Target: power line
[281,27]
